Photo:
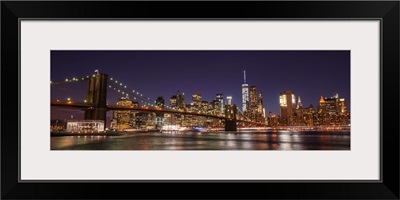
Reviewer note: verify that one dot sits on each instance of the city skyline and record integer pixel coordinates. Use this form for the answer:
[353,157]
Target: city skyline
[163,73]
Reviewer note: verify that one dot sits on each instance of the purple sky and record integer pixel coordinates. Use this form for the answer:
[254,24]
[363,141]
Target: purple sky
[309,74]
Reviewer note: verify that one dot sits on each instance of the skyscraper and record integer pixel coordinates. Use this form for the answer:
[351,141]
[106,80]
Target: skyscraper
[173,102]
[220,98]
[333,111]
[228,100]
[180,100]
[260,103]
[287,102]
[253,98]
[245,94]
[196,99]
[333,105]
[299,104]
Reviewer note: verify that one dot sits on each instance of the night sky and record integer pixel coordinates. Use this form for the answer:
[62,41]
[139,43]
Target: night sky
[309,74]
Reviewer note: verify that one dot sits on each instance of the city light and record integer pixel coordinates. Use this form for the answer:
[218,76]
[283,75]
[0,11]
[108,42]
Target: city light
[205,113]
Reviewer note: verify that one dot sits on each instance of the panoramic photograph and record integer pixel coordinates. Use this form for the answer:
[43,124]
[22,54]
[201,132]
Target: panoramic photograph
[200,100]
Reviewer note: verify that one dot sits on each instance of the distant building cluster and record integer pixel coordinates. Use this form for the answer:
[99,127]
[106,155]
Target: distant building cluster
[197,105]
[127,119]
[123,120]
[252,102]
[331,111]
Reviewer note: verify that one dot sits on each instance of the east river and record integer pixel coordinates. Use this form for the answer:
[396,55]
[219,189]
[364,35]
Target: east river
[271,140]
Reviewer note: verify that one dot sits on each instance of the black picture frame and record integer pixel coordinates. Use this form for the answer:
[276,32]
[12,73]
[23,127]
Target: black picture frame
[386,11]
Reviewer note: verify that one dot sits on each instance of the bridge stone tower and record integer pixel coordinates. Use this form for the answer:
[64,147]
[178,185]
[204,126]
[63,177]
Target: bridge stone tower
[230,112]
[97,95]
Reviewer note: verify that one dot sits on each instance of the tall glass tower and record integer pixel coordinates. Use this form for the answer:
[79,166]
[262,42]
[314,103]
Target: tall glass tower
[245,94]
[220,98]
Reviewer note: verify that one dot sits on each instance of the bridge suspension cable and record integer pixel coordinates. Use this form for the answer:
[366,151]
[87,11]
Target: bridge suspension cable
[67,80]
[123,89]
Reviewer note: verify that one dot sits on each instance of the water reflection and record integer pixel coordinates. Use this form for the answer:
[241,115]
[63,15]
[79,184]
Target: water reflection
[276,140]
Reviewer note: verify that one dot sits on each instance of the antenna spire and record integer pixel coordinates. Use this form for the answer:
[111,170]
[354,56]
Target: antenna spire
[244,80]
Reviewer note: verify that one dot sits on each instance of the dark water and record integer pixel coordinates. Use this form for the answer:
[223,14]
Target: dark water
[281,140]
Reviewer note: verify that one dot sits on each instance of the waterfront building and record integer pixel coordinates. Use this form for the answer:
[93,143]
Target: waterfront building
[272,119]
[304,116]
[245,94]
[124,119]
[332,105]
[145,120]
[287,103]
[309,115]
[83,126]
[332,111]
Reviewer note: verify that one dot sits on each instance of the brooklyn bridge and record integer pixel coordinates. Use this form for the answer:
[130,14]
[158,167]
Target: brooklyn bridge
[96,105]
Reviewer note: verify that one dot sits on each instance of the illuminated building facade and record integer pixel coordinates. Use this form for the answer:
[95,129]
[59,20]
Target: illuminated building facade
[260,104]
[245,94]
[253,98]
[160,103]
[299,104]
[84,126]
[304,116]
[332,105]
[228,100]
[332,111]
[230,111]
[216,107]
[180,100]
[220,98]
[173,103]
[287,103]
[204,106]
[196,99]
[124,119]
